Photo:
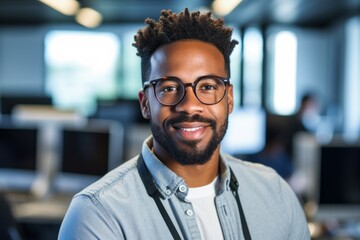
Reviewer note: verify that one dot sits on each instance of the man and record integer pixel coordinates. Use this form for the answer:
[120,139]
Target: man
[308,115]
[181,186]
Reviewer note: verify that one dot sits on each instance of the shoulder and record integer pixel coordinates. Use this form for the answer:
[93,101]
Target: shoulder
[267,196]
[117,179]
[258,179]
[251,170]
[99,204]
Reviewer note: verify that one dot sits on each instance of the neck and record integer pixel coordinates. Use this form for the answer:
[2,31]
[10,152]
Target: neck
[195,175]
[198,175]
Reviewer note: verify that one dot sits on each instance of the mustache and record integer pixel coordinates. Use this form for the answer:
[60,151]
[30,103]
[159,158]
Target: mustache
[187,118]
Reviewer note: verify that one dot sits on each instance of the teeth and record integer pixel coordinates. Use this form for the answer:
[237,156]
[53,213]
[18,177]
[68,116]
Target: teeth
[190,129]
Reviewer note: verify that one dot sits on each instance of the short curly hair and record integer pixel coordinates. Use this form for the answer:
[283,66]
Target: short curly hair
[172,27]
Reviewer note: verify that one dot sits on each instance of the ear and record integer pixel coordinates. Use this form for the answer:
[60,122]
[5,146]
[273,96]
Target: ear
[144,104]
[230,98]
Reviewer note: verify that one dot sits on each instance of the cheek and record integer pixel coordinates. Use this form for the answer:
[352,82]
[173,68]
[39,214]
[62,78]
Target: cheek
[158,112]
[220,113]
[152,105]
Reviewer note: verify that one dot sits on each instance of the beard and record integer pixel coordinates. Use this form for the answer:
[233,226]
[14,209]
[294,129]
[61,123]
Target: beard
[195,155]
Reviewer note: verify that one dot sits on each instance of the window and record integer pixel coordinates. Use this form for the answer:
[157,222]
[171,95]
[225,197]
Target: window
[131,81]
[283,62]
[253,60]
[351,80]
[82,67]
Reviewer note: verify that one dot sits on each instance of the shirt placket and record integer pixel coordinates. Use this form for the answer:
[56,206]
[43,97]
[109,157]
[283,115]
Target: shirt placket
[189,213]
[228,216]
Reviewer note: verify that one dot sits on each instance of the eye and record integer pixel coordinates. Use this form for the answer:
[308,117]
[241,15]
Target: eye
[167,87]
[208,85]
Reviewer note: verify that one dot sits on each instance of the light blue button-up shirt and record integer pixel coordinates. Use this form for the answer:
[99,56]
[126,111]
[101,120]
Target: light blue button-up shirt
[118,206]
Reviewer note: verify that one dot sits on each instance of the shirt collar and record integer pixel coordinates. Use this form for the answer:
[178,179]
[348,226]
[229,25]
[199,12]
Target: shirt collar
[168,182]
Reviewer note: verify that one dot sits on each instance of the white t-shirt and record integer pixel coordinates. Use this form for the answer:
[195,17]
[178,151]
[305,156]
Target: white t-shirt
[202,200]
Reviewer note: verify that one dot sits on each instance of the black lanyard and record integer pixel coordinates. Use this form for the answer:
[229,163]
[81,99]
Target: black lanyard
[154,193]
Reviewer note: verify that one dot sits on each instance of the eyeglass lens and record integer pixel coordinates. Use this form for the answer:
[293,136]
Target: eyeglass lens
[208,90]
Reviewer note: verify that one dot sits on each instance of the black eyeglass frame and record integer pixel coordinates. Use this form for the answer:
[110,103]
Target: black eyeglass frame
[193,85]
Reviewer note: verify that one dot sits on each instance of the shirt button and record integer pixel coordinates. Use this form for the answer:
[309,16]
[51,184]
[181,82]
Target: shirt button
[168,192]
[189,212]
[182,188]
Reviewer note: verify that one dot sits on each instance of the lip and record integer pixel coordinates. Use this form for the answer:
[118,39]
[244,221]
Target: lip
[193,131]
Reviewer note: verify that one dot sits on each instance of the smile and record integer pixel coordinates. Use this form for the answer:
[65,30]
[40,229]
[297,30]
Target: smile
[190,129]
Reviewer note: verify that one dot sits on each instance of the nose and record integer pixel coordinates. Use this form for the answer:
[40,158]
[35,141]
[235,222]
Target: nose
[190,104]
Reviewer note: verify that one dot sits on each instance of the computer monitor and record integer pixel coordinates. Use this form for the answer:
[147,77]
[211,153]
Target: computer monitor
[246,132]
[126,111]
[87,153]
[18,156]
[9,102]
[338,194]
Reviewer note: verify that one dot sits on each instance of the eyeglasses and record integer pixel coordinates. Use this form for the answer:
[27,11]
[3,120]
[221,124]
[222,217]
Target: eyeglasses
[169,91]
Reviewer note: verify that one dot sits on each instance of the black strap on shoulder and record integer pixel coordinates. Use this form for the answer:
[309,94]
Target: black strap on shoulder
[152,192]
[234,185]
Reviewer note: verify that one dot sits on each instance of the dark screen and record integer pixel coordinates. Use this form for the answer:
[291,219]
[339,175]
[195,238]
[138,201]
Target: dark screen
[340,175]
[18,148]
[7,103]
[85,152]
[124,111]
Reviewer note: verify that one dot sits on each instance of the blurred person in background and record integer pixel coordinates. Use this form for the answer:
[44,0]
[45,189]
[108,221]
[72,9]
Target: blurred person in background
[308,115]
[278,152]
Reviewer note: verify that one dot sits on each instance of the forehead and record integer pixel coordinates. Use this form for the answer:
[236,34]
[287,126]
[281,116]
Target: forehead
[187,59]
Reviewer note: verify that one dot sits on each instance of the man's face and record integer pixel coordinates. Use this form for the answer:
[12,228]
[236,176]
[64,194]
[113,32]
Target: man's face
[189,132]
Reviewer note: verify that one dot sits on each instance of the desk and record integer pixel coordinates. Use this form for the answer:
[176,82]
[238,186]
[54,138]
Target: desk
[28,208]
[38,219]
[334,230]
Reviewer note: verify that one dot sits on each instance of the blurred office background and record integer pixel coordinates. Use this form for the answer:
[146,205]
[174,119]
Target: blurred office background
[69,79]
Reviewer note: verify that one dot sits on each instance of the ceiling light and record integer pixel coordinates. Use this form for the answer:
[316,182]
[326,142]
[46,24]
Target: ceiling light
[88,17]
[66,7]
[224,7]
